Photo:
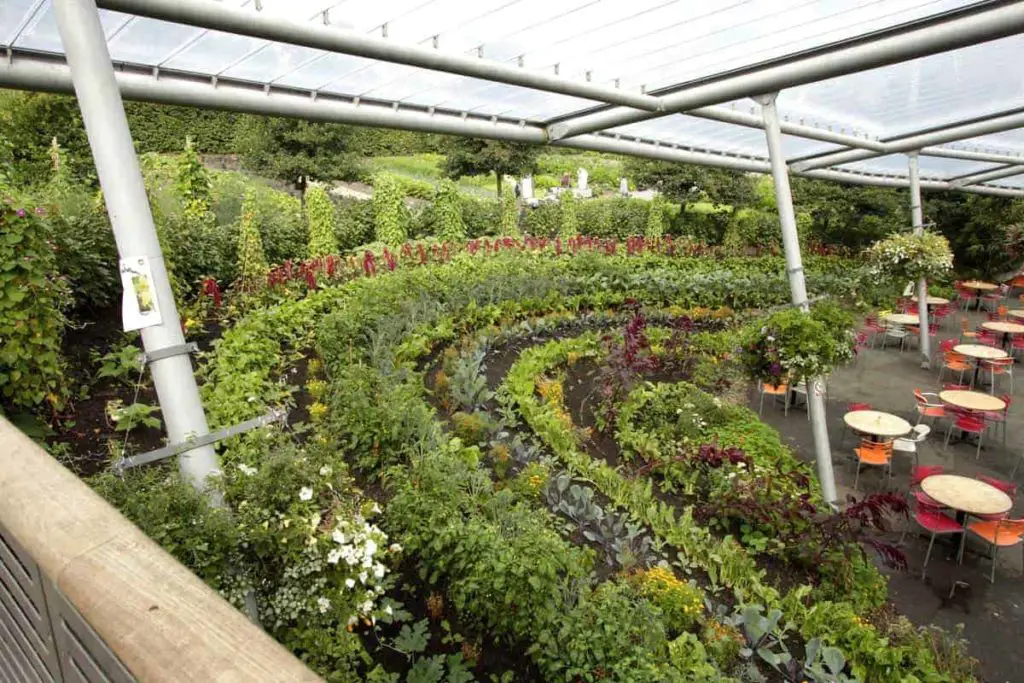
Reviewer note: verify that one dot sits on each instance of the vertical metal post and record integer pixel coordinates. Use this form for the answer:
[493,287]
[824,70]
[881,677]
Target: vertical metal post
[797,286]
[917,221]
[125,193]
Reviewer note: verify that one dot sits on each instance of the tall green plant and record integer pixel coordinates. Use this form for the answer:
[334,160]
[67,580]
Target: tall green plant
[570,225]
[509,216]
[32,297]
[252,262]
[655,218]
[388,210]
[320,217]
[448,208]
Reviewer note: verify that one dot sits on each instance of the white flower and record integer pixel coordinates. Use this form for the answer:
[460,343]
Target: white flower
[378,570]
[362,577]
[325,471]
[334,556]
[388,611]
[366,606]
[375,509]
[324,604]
[246,469]
[353,620]
[350,583]
[251,399]
[305,493]
[371,547]
[338,537]
[395,548]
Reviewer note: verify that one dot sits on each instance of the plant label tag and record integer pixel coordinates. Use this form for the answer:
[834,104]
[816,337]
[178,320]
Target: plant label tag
[139,306]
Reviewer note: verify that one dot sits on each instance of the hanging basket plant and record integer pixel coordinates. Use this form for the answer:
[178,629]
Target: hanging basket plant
[906,256]
[793,345]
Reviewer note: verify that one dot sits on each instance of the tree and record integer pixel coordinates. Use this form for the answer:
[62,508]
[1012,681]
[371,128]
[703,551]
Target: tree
[474,156]
[297,151]
[686,183]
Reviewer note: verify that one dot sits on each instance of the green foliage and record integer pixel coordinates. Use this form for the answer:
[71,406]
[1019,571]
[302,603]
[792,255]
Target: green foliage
[127,418]
[686,183]
[390,217]
[655,219]
[83,242]
[509,216]
[252,263]
[278,215]
[121,364]
[32,298]
[544,220]
[448,208]
[570,225]
[29,122]
[476,156]
[849,216]
[320,219]
[297,151]
[164,127]
[353,223]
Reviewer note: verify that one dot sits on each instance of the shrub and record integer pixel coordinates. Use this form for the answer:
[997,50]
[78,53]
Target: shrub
[682,603]
[543,220]
[252,263]
[320,218]
[390,218]
[32,297]
[353,225]
[798,345]
[569,225]
[279,217]
[481,216]
[448,208]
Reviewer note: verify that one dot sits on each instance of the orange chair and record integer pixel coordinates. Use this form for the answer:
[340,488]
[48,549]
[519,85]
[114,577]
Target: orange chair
[1002,533]
[875,453]
[966,333]
[1001,312]
[928,405]
[956,363]
[774,390]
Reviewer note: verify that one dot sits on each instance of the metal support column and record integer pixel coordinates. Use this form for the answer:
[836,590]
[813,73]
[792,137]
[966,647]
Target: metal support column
[121,180]
[797,286]
[917,220]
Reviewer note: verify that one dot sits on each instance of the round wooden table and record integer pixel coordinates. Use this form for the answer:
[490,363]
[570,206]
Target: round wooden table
[966,495]
[876,423]
[1007,329]
[934,300]
[980,351]
[979,285]
[1019,313]
[903,318]
[972,400]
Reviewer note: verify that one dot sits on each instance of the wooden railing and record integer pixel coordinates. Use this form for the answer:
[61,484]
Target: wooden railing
[86,596]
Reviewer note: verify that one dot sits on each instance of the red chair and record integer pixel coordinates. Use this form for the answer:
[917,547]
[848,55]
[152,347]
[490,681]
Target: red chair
[1007,487]
[998,366]
[1016,345]
[919,473]
[988,338]
[935,522]
[873,328]
[967,422]
[1001,533]
[949,386]
[966,296]
[996,298]
[997,418]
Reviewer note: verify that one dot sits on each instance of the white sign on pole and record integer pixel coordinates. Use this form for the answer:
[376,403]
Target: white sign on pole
[139,306]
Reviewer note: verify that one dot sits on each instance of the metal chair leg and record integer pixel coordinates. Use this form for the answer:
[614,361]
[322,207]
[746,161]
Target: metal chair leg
[927,556]
[856,477]
[995,552]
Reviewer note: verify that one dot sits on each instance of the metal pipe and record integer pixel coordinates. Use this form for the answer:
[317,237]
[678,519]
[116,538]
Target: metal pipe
[988,175]
[810,132]
[798,288]
[967,155]
[950,31]
[917,221]
[32,72]
[222,17]
[125,194]
[915,142]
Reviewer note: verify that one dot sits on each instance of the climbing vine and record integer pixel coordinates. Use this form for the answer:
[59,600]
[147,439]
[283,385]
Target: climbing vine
[320,217]
[448,208]
[388,210]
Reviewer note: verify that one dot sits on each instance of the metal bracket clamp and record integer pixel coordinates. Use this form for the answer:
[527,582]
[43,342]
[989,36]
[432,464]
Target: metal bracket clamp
[168,352]
[173,449]
[793,271]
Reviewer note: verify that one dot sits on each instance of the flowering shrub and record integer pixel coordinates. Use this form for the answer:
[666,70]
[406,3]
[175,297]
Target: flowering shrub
[792,344]
[682,603]
[908,256]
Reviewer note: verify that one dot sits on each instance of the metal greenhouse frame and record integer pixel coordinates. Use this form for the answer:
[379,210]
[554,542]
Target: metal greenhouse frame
[219,49]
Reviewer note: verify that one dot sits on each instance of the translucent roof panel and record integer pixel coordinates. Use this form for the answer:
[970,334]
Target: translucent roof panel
[636,46]
[902,98]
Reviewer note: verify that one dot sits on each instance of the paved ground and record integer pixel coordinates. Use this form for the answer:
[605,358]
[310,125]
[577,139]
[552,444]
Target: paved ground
[993,615]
